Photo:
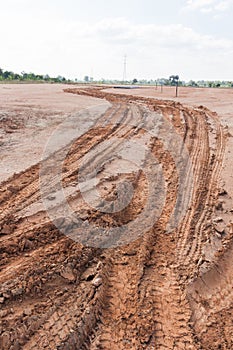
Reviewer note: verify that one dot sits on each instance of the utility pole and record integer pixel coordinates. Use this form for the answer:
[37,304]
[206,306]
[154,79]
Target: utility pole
[124,70]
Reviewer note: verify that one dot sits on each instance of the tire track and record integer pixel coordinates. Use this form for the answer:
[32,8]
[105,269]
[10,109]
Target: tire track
[146,294]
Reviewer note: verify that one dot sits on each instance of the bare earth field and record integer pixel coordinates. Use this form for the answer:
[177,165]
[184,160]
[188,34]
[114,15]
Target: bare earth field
[116,224]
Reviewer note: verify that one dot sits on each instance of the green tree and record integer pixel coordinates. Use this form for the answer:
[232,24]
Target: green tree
[6,74]
[174,79]
[192,83]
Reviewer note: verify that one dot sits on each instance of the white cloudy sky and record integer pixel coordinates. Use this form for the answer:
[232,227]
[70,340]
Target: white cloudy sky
[192,38]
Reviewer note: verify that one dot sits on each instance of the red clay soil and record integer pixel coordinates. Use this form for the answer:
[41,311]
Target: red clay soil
[161,289]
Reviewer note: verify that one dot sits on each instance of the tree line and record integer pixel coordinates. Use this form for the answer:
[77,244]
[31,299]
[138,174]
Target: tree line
[173,80]
[6,75]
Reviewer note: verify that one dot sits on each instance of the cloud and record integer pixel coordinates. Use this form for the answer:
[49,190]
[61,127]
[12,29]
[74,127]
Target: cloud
[120,31]
[208,6]
[198,4]
[162,48]
[72,49]
[223,5]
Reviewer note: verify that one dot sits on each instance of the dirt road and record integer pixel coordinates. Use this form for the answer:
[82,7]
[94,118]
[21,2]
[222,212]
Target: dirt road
[127,244]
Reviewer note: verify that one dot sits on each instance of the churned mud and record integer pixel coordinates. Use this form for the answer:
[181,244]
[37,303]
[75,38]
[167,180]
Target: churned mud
[118,233]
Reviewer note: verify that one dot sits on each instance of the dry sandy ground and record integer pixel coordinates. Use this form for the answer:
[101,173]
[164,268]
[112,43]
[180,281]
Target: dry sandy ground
[29,114]
[122,238]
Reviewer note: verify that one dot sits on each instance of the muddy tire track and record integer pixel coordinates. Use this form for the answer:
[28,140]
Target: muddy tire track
[151,293]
